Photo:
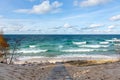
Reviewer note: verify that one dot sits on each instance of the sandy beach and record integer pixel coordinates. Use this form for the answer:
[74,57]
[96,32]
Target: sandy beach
[59,39]
[63,59]
[100,70]
[110,71]
[25,72]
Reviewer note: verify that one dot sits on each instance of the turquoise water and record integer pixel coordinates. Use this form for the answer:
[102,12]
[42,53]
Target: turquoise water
[65,45]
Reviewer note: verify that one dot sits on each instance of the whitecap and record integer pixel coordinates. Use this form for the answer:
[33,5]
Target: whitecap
[32,46]
[88,56]
[79,43]
[106,42]
[114,40]
[94,46]
[117,44]
[77,50]
[31,51]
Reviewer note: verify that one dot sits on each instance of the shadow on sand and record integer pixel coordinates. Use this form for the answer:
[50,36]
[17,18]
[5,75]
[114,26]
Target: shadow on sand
[59,72]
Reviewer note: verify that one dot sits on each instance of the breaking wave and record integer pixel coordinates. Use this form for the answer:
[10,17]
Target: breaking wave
[94,46]
[31,51]
[105,42]
[83,50]
[79,43]
[88,56]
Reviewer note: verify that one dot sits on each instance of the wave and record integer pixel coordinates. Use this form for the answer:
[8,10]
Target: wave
[71,57]
[31,51]
[83,50]
[114,40]
[32,46]
[60,46]
[29,57]
[117,44]
[106,42]
[94,46]
[78,50]
[88,56]
[79,43]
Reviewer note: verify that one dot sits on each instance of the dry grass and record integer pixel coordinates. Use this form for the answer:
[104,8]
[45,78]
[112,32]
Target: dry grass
[91,62]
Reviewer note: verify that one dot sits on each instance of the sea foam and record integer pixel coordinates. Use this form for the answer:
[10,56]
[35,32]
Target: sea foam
[88,56]
[32,46]
[79,43]
[83,50]
[106,42]
[31,51]
[78,50]
[114,40]
[94,46]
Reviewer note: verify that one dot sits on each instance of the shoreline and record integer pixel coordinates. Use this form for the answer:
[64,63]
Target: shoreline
[77,68]
[65,59]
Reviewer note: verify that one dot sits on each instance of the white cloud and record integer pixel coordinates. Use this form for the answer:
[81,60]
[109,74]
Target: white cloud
[67,25]
[115,18]
[12,28]
[56,4]
[109,30]
[8,27]
[64,26]
[92,26]
[87,3]
[44,7]
[111,26]
[95,25]
[96,30]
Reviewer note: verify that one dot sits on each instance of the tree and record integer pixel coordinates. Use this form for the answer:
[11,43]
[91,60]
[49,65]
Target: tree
[15,46]
[4,47]
[5,55]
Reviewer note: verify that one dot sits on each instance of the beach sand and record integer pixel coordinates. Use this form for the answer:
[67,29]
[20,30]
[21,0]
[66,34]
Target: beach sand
[63,59]
[107,71]
[25,72]
[41,70]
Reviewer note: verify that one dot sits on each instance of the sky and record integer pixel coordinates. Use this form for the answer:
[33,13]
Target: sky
[60,16]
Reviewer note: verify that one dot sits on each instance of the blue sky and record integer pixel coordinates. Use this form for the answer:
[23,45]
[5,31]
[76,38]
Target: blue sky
[60,16]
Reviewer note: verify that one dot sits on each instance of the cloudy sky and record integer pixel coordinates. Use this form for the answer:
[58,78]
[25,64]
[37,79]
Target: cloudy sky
[60,16]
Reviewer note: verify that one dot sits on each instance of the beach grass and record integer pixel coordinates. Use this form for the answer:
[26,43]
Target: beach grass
[91,62]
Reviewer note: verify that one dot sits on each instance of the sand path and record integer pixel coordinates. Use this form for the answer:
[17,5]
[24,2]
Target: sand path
[59,72]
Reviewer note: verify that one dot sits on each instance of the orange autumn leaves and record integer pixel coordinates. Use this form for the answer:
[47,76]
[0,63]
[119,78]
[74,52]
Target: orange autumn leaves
[3,43]
[3,48]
